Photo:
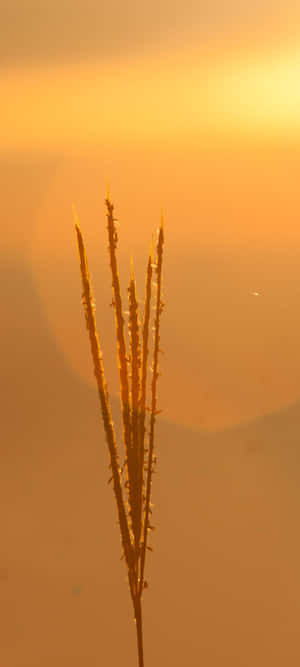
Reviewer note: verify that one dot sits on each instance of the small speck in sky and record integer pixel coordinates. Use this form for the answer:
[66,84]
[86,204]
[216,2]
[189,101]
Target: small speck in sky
[256,294]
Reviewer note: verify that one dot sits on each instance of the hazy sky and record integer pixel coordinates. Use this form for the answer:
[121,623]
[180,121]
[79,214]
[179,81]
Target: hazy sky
[190,107]
[93,72]
[65,32]
[193,107]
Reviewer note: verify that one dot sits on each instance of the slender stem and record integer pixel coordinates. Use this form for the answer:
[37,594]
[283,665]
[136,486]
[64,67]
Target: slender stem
[139,629]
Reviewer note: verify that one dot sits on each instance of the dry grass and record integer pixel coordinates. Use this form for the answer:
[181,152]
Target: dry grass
[133,499]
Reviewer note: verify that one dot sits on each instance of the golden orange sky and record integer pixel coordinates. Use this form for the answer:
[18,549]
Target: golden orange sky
[176,97]
[230,355]
[197,113]
[192,108]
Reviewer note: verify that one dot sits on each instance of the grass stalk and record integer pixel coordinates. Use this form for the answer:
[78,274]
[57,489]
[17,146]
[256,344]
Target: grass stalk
[135,495]
[134,522]
[89,307]
[120,332]
[144,370]
[155,370]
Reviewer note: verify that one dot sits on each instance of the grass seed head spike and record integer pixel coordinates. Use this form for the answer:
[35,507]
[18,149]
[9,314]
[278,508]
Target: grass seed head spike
[162,220]
[120,332]
[159,258]
[104,400]
[139,460]
[135,482]
[145,351]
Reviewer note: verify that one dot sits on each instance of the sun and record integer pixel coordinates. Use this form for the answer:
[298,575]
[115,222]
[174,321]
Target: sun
[262,93]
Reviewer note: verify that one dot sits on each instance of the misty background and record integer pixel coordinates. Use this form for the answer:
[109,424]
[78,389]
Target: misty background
[125,93]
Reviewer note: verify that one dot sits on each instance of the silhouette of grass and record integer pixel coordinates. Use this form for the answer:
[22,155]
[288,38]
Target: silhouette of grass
[133,369]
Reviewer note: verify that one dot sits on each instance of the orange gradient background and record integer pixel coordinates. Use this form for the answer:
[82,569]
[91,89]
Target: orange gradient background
[193,111]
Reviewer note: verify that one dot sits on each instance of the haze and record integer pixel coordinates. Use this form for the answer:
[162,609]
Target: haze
[193,110]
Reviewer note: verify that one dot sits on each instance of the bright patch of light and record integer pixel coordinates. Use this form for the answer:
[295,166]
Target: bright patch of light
[151,101]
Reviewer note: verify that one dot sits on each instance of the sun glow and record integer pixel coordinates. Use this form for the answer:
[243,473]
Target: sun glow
[151,100]
[264,93]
